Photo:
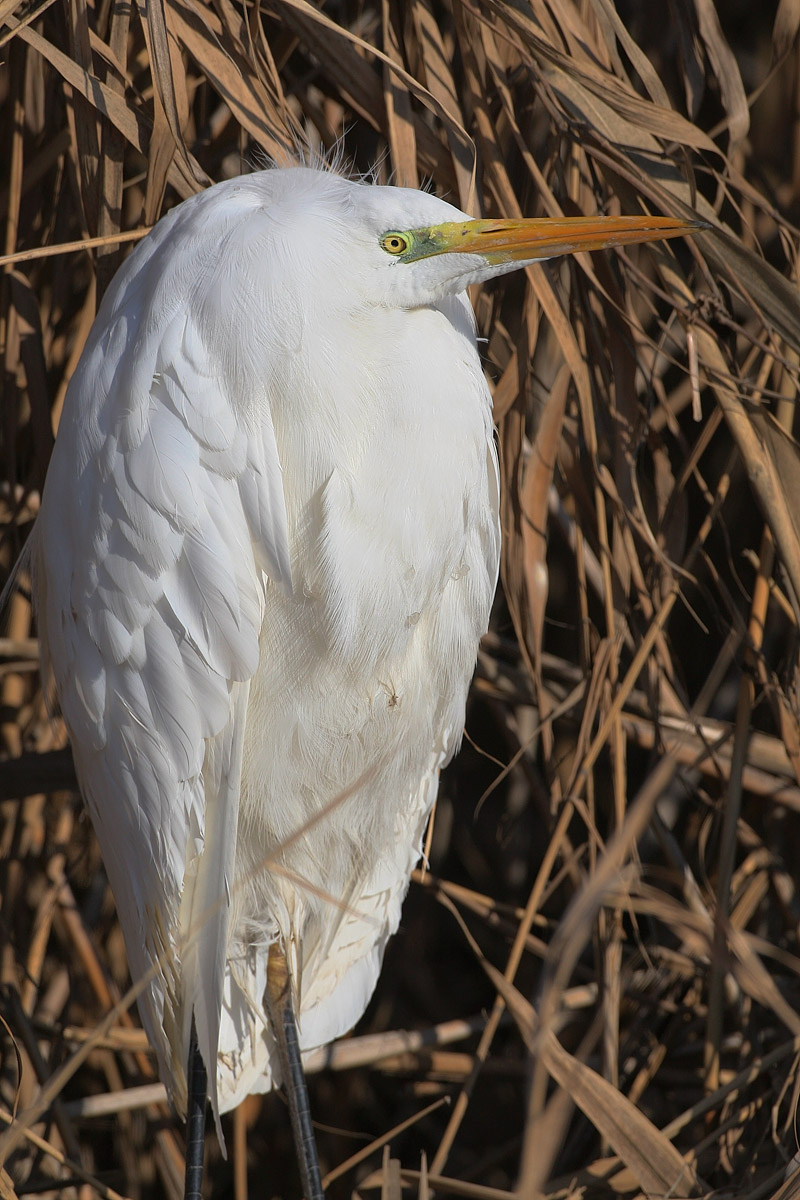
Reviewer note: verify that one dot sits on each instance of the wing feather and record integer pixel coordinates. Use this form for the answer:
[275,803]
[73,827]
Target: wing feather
[163,517]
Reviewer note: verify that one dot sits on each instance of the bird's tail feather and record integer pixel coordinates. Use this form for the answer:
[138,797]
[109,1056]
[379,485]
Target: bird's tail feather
[205,906]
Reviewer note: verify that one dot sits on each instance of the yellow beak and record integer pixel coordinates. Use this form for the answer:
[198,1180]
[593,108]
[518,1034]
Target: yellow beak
[513,241]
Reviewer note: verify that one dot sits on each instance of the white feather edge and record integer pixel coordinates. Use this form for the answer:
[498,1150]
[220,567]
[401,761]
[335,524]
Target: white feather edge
[205,904]
[341,991]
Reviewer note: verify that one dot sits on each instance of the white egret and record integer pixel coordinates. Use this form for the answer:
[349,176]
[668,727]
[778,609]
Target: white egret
[266,553]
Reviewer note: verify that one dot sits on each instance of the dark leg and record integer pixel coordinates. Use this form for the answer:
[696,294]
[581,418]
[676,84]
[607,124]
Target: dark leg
[197,1087]
[281,1015]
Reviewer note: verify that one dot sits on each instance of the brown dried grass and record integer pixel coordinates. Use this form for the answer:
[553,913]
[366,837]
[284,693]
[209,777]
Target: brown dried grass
[618,838]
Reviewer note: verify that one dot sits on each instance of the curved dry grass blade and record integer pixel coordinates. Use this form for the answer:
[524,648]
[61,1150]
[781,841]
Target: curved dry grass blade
[369,1150]
[641,114]
[441,85]
[785,28]
[112,154]
[129,121]
[534,499]
[492,1025]
[726,69]
[28,329]
[658,1167]
[336,45]
[163,60]
[641,63]
[577,108]
[772,296]
[86,119]
[399,117]
[757,438]
[201,33]
[73,1166]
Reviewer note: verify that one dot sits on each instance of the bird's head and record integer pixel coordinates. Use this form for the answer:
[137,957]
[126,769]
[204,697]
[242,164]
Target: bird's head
[405,248]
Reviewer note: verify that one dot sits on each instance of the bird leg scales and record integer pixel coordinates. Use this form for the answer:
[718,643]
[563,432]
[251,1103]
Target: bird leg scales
[197,1088]
[284,1026]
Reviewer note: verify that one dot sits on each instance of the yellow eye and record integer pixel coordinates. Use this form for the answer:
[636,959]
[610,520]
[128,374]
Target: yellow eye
[395,243]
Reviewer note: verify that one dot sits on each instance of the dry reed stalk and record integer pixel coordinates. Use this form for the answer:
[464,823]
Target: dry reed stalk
[645,641]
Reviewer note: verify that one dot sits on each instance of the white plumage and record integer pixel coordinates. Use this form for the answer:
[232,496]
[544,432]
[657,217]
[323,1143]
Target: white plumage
[266,553]
[267,550]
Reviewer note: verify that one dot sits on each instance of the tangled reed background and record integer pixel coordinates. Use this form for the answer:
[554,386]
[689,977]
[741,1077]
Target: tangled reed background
[596,988]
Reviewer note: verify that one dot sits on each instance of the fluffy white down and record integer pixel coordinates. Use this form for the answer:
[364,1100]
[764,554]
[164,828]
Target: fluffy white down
[267,550]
